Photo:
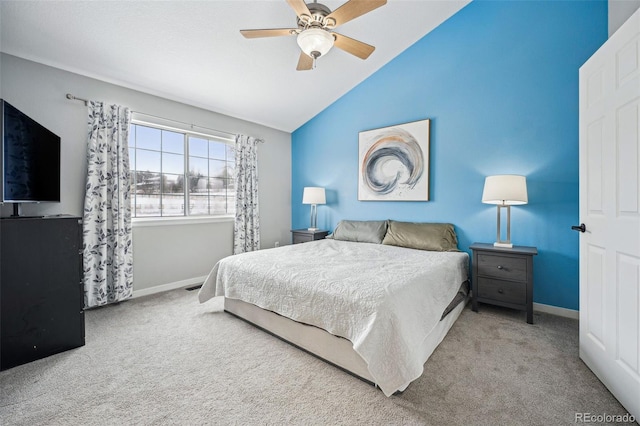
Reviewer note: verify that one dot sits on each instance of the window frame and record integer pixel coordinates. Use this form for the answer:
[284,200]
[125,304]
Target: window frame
[186,218]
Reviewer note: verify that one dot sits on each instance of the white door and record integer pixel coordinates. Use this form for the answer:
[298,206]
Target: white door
[610,210]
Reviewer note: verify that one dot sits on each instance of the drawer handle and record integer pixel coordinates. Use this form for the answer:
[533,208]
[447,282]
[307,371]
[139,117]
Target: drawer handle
[500,267]
[500,291]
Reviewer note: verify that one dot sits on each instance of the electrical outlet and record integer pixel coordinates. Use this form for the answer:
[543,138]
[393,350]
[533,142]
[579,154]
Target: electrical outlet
[277,244]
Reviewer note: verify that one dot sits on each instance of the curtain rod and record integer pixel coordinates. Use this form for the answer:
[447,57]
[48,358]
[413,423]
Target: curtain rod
[74,98]
[232,135]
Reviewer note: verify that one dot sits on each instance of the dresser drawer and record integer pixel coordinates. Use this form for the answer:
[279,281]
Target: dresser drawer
[502,267]
[502,291]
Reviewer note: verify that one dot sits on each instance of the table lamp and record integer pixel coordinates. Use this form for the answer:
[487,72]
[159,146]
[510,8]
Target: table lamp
[314,196]
[505,191]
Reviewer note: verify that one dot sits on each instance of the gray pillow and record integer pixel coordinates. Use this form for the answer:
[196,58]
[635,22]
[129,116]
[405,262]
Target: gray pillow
[371,231]
[422,236]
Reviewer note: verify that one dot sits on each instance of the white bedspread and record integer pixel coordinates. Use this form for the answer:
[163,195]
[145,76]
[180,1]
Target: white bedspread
[384,299]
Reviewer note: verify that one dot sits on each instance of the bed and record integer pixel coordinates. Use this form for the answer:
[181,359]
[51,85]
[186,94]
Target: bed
[375,300]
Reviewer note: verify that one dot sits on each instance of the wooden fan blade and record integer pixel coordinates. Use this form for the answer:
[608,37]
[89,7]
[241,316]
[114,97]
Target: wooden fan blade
[305,62]
[275,32]
[355,47]
[300,7]
[353,9]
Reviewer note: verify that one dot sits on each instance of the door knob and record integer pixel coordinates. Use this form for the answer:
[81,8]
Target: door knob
[580,228]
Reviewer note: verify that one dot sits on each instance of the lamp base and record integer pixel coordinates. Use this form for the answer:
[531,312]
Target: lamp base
[504,245]
[507,242]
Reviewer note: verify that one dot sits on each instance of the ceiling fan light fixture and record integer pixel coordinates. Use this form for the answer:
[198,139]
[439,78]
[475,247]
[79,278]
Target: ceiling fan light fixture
[315,42]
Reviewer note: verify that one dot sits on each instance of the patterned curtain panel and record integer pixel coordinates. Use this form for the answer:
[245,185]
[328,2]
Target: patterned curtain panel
[108,260]
[246,229]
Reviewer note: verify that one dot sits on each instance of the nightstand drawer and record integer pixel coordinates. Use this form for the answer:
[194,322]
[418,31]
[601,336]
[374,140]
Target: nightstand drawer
[502,267]
[302,238]
[503,291]
[305,235]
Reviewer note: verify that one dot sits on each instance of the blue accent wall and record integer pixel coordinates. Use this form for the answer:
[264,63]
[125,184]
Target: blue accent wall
[499,81]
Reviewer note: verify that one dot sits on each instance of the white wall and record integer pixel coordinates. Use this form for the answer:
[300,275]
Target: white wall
[163,254]
[619,12]
[158,260]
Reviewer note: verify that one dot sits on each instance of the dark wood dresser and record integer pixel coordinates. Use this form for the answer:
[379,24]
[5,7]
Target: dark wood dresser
[41,289]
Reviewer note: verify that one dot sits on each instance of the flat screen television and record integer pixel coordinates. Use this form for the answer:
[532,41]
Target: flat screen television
[29,159]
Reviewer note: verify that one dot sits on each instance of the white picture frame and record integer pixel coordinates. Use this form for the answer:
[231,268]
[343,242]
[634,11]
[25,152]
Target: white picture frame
[393,163]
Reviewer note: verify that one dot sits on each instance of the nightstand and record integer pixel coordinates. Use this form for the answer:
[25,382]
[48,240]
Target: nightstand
[304,235]
[503,277]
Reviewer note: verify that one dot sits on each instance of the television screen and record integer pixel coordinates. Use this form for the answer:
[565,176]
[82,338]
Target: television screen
[30,159]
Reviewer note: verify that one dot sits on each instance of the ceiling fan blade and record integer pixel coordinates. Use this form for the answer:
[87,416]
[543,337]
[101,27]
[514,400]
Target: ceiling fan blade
[300,7]
[305,62]
[353,9]
[355,47]
[275,32]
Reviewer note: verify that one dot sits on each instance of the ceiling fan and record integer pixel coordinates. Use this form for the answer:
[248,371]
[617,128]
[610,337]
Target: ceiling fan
[315,33]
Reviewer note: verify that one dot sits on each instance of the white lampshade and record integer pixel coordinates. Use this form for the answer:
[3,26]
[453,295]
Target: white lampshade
[313,195]
[506,190]
[315,42]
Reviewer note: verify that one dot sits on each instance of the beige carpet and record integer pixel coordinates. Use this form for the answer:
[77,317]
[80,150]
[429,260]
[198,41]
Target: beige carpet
[165,359]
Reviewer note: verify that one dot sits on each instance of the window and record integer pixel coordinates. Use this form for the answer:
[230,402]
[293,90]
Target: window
[171,169]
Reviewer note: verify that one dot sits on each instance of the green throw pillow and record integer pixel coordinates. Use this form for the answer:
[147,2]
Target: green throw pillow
[422,236]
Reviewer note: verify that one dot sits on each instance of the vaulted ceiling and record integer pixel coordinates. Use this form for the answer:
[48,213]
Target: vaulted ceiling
[193,52]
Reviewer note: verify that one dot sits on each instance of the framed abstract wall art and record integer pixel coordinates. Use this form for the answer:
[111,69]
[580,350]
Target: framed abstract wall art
[394,163]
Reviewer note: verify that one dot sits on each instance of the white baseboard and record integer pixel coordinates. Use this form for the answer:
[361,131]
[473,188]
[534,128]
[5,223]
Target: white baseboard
[554,310]
[169,286]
